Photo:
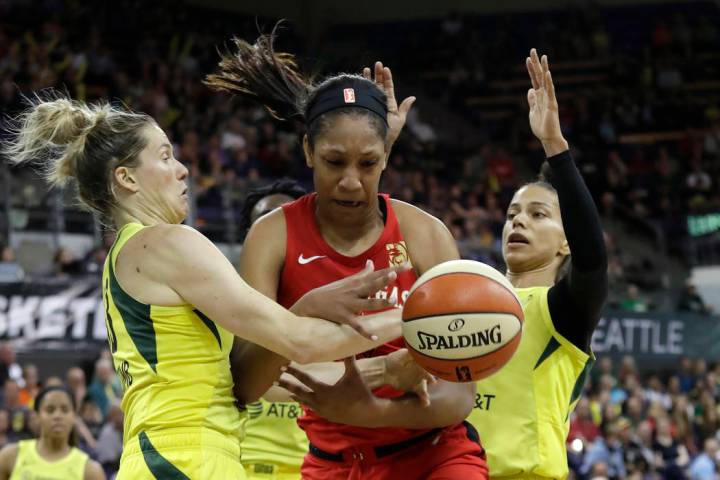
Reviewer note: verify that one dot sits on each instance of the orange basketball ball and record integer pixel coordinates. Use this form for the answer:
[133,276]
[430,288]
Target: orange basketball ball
[462,321]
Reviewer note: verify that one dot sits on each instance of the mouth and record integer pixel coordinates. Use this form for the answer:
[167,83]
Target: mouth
[517,239]
[348,203]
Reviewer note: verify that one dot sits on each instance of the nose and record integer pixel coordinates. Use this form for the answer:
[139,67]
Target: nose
[519,220]
[350,181]
[183,172]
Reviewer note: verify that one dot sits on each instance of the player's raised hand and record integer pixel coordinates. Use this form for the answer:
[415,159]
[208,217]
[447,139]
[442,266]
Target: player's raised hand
[402,373]
[544,114]
[396,114]
[343,300]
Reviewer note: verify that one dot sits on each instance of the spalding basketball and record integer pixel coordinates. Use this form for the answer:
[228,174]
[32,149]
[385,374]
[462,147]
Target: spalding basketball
[462,321]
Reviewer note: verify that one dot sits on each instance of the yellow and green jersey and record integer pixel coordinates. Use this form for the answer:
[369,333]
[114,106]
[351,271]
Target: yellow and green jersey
[522,412]
[29,465]
[173,362]
[272,435]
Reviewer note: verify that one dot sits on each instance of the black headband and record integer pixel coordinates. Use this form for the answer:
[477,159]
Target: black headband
[359,94]
[53,388]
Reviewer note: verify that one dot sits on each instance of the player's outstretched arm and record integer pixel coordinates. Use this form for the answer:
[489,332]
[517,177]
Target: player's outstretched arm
[199,273]
[576,301]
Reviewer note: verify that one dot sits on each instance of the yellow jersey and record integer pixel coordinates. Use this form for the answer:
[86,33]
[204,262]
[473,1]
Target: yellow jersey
[272,435]
[522,412]
[173,362]
[29,465]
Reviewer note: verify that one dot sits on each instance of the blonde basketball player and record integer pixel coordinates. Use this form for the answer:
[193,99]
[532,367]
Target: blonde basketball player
[52,456]
[172,299]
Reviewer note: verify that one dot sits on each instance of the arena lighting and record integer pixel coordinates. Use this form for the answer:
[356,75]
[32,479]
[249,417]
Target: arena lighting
[576,445]
[703,224]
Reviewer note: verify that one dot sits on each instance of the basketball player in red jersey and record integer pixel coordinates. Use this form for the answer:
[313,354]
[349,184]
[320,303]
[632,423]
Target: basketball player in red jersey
[331,234]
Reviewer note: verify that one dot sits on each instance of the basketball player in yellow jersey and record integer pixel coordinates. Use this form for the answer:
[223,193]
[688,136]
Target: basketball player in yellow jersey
[173,301]
[274,445]
[522,412]
[51,456]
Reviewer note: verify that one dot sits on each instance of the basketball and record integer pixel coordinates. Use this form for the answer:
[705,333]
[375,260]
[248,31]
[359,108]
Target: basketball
[462,321]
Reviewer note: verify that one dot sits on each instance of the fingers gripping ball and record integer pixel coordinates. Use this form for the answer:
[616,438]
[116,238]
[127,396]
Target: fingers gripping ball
[462,321]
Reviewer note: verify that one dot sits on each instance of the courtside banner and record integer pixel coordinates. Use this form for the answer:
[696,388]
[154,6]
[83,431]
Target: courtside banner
[657,340]
[58,310]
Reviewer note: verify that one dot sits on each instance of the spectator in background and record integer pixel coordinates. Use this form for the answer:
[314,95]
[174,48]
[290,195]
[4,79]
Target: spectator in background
[19,414]
[670,455]
[633,301]
[104,389]
[109,443]
[92,417]
[75,379]
[32,386]
[65,263]
[691,301]
[583,426]
[8,367]
[95,260]
[10,270]
[607,450]
[705,465]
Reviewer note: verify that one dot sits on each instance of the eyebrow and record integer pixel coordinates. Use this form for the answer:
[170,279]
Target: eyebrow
[342,150]
[537,204]
[166,145]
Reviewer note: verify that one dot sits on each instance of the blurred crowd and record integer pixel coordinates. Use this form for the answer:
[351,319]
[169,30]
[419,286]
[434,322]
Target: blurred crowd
[627,425]
[656,426]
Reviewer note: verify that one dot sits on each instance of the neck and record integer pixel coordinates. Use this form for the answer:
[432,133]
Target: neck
[137,214]
[52,445]
[339,233]
[542,276]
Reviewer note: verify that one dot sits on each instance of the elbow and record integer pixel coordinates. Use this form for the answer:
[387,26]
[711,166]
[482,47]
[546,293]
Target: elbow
[457,409]
[304,351]
[465,405]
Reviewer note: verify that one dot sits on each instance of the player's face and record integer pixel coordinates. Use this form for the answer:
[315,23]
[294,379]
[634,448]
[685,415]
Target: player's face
[56,415]
[533,235]
[347,162]
[161,178]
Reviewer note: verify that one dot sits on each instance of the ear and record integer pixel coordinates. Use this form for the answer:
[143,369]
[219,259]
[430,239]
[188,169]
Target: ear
[564,249]
[125,178]
[309,161]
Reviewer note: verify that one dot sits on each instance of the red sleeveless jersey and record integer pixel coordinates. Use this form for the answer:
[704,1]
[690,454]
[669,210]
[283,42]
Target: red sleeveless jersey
[310,263]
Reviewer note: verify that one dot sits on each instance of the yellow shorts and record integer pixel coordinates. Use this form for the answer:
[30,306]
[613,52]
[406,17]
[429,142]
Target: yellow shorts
[270,471]
[195,454]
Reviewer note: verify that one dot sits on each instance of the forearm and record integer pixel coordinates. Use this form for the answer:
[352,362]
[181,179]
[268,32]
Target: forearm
[321,341]
[254,369]
[580,218]
[450,403]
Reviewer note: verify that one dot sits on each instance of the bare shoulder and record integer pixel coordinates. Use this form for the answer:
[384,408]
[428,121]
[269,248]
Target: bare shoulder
[8,456]
[428,240]
[93,471]
[270,227]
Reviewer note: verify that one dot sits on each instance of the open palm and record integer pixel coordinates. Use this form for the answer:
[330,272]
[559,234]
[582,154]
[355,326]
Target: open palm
[396,114]
[544,117]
